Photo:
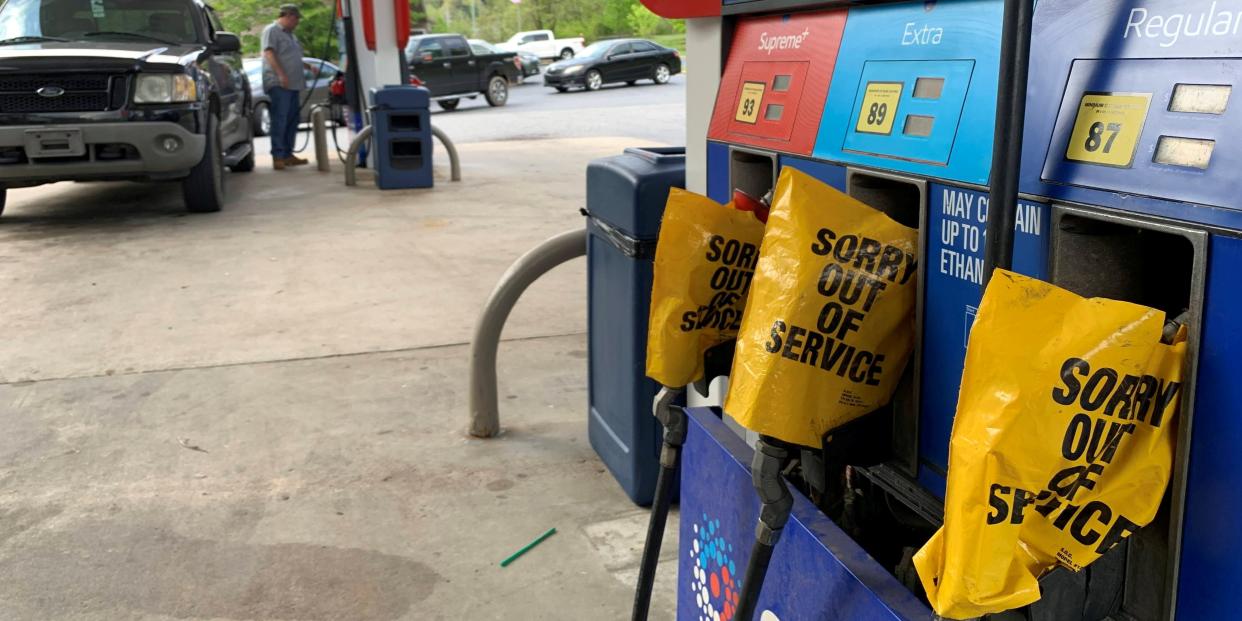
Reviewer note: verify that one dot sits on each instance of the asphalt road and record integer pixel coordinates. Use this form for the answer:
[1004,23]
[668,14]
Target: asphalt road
[645,111]
[535,111]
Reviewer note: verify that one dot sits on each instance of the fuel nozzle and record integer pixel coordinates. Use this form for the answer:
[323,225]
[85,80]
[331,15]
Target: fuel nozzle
[758,206]
[1173,327]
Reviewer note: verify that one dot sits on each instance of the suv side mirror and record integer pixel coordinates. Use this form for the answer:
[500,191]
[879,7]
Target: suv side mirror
[227,42]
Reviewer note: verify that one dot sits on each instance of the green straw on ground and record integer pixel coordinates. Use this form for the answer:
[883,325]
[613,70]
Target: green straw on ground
[526,548]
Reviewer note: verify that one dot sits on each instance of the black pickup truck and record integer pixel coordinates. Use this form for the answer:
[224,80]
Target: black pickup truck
[141,90]
[452,71]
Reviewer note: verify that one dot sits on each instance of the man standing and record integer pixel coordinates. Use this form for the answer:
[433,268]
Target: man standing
[283,81]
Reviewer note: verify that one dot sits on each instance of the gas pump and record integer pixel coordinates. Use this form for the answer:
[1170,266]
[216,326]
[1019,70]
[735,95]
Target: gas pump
[906,125]
[1128,138]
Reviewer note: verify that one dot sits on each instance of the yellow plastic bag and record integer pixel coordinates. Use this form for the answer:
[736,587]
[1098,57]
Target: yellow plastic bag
[705,260]
[1062,445]
[830,322]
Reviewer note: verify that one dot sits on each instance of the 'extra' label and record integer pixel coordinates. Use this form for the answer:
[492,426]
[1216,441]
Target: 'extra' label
[1169,28]
[921,34]
[782,42]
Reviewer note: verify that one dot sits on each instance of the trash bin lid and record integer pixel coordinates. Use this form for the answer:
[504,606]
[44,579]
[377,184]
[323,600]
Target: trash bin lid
[628,191]
[400,97]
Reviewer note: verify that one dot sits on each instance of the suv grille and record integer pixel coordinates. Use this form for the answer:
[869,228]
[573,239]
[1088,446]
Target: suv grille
[82,92]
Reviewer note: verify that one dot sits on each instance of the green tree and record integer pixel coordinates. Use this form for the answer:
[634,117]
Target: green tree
[248,18]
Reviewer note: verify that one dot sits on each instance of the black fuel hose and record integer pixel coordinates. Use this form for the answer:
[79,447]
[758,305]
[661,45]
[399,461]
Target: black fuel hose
[673,418]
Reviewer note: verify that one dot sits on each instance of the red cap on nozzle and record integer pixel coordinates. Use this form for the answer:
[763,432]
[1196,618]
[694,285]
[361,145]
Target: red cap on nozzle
[745,202]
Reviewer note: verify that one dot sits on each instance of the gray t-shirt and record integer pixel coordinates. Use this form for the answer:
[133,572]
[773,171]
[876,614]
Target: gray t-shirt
[288,53]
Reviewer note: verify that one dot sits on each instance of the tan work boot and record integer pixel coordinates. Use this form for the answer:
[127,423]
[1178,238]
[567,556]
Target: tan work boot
[278,163]
[294,160]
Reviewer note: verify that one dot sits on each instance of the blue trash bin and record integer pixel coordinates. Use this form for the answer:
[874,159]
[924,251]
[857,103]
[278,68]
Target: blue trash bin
[625,203]
[401,118]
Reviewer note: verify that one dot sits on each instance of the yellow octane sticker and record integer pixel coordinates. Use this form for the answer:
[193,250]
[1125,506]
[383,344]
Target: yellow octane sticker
[1108,128]
[748,105]
[879,107]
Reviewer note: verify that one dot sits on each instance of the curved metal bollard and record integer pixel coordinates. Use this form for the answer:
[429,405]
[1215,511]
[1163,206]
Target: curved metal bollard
[454,164]
[484,414]
[351,156]
[319,128]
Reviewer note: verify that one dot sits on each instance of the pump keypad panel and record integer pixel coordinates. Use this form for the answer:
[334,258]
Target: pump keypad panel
[775,81]
[909,110]
[768,88]
[1150,127]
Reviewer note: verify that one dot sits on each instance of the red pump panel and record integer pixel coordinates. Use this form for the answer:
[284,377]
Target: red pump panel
[775,81]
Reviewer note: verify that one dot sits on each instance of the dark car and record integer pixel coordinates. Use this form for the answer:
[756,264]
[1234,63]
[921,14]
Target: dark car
[122,89]
[319,75]
[620,60]
[452,71]
[528,65]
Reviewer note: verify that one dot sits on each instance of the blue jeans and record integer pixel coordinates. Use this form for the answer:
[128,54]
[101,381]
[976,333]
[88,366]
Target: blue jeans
[285,117]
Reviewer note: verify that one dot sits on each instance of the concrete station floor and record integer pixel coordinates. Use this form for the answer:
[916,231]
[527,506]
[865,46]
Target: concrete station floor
[260,414]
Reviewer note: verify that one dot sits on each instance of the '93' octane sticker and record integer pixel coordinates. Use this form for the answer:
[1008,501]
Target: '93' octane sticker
[751,100]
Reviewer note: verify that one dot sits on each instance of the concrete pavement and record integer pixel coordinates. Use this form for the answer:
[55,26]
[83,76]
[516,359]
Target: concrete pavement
[259,414]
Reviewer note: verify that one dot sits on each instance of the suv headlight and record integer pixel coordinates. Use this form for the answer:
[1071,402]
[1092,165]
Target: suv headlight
[165,88]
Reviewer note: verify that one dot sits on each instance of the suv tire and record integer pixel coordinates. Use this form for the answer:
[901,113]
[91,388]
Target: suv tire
[203,189]
[497,91]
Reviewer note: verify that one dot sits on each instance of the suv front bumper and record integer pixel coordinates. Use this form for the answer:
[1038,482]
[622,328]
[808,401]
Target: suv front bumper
[141,144]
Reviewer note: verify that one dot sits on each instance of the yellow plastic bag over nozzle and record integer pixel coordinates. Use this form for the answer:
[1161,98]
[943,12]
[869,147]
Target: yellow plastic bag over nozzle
[1062,446]
[705,259]
[829,325]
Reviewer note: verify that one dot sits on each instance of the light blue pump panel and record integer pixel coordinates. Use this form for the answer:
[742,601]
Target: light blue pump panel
[957,41]
[817,571]
[925,126]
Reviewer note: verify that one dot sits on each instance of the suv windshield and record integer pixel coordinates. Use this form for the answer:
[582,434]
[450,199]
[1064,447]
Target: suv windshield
[121,20]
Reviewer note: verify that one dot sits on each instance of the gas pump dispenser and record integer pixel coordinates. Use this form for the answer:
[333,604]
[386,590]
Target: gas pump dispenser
[906,125]
[1128,136]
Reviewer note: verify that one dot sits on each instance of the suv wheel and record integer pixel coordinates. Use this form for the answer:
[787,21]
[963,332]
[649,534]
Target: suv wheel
[203,189]
[262,119]
[448,105]
[497,91]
